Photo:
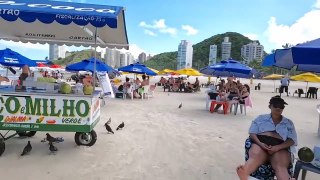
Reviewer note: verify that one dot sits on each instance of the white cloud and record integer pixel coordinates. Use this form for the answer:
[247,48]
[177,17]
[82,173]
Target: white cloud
[252,36]
[150,33]
[190,30]
[160,26]
[306,28]
[317,4]
[16,45]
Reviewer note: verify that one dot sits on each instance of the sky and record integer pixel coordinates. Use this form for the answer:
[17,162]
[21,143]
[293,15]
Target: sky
[157,26]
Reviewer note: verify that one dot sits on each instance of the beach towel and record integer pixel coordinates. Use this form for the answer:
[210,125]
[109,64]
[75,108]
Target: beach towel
[248,101]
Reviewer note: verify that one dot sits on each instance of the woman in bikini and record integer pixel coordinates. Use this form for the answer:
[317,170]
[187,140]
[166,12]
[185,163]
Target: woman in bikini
[273,137]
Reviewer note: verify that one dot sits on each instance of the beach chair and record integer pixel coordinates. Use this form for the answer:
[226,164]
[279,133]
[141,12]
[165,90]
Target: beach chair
[299,92]
[312,91]
[208,101]
[243,107]
[265,171]
[147,91]
[128,91]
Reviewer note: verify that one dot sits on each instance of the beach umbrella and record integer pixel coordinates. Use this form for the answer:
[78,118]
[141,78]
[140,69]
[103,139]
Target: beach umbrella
[88,65]
[274,77]
[165,71]
[228,68]
[283,58]
[12,58]
[154,70]
[306,77]
[137,68]
[54,66]
[64,23]
[41,65]
[188,72]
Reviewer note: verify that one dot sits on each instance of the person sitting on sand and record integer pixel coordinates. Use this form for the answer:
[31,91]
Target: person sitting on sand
[272,135]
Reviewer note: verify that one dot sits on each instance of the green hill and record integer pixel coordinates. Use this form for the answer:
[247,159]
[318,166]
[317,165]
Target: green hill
[77,56]
[201,52]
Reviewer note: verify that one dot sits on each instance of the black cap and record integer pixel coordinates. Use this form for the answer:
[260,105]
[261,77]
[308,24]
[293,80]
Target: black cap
[277,100]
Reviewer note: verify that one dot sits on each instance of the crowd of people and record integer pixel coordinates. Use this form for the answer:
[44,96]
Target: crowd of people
[231,92]
[136,86]
[179,85]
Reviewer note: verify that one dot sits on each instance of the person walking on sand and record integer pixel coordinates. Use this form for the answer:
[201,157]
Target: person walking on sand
[273,138]
[284,85]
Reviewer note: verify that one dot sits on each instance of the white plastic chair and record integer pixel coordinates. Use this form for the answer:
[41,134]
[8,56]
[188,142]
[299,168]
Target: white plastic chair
[145,91]
[318,109]
[243,107]
[128,91]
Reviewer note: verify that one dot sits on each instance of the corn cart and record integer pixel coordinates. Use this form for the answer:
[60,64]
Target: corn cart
[61,23]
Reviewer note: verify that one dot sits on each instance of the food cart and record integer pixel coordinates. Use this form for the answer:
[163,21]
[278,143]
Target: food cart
[61,23]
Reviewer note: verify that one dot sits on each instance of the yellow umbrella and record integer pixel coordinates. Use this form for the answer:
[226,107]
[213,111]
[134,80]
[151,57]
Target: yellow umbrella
[188,71]
[154,70]
[165,71]
[274,76]
[306,77]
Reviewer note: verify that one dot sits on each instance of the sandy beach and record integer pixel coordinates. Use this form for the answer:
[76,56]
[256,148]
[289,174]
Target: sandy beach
[160,141]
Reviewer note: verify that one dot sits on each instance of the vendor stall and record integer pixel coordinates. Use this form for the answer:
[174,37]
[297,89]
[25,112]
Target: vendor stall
[64,23]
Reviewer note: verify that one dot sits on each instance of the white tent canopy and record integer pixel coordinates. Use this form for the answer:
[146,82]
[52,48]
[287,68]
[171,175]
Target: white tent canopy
[63,23]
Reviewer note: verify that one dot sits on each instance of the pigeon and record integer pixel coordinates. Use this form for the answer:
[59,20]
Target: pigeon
[109,121]
[54,139]
[50,138]
[180,106]
[52,148]
[120,126]
[108,128]
[26,149]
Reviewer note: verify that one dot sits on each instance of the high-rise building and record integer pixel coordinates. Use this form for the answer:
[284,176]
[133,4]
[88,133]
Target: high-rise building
[213,54]
[130,58]
[142,57]
[123,59]
[112,57]
[252,51]
[149,57]
[56,52]
[225,49]
[185,52]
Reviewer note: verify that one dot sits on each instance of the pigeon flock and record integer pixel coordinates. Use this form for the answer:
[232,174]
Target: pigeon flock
[51,140]
[109,129]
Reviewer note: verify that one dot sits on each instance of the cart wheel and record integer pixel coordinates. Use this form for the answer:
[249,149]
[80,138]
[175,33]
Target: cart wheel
[85,139]
[26,133]
[2,146]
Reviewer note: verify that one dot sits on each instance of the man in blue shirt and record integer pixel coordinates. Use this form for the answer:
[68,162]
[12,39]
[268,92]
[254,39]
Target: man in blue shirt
[284,85]
[274,137]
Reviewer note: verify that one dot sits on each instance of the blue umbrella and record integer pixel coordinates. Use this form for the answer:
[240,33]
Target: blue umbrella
[12,58]
[88,65]
[208,71]
[307,53]
[283,58]
[137,68]
[228,68]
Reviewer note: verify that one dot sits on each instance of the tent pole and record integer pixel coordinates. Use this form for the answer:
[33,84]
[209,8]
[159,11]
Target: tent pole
[95,55]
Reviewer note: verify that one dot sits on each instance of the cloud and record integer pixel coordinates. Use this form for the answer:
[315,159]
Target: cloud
[317,4]
[160,26]
[304,29]
[16,45]
[190,30]
[150,33]
[252,36]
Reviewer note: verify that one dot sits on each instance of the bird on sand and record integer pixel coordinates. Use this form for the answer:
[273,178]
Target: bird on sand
[109,121]
[50,138]
[180,106]
[26,149]
[108,128]
[120,126]
[52,148]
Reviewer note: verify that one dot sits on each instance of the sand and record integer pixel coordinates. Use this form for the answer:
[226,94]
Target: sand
[160,141]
